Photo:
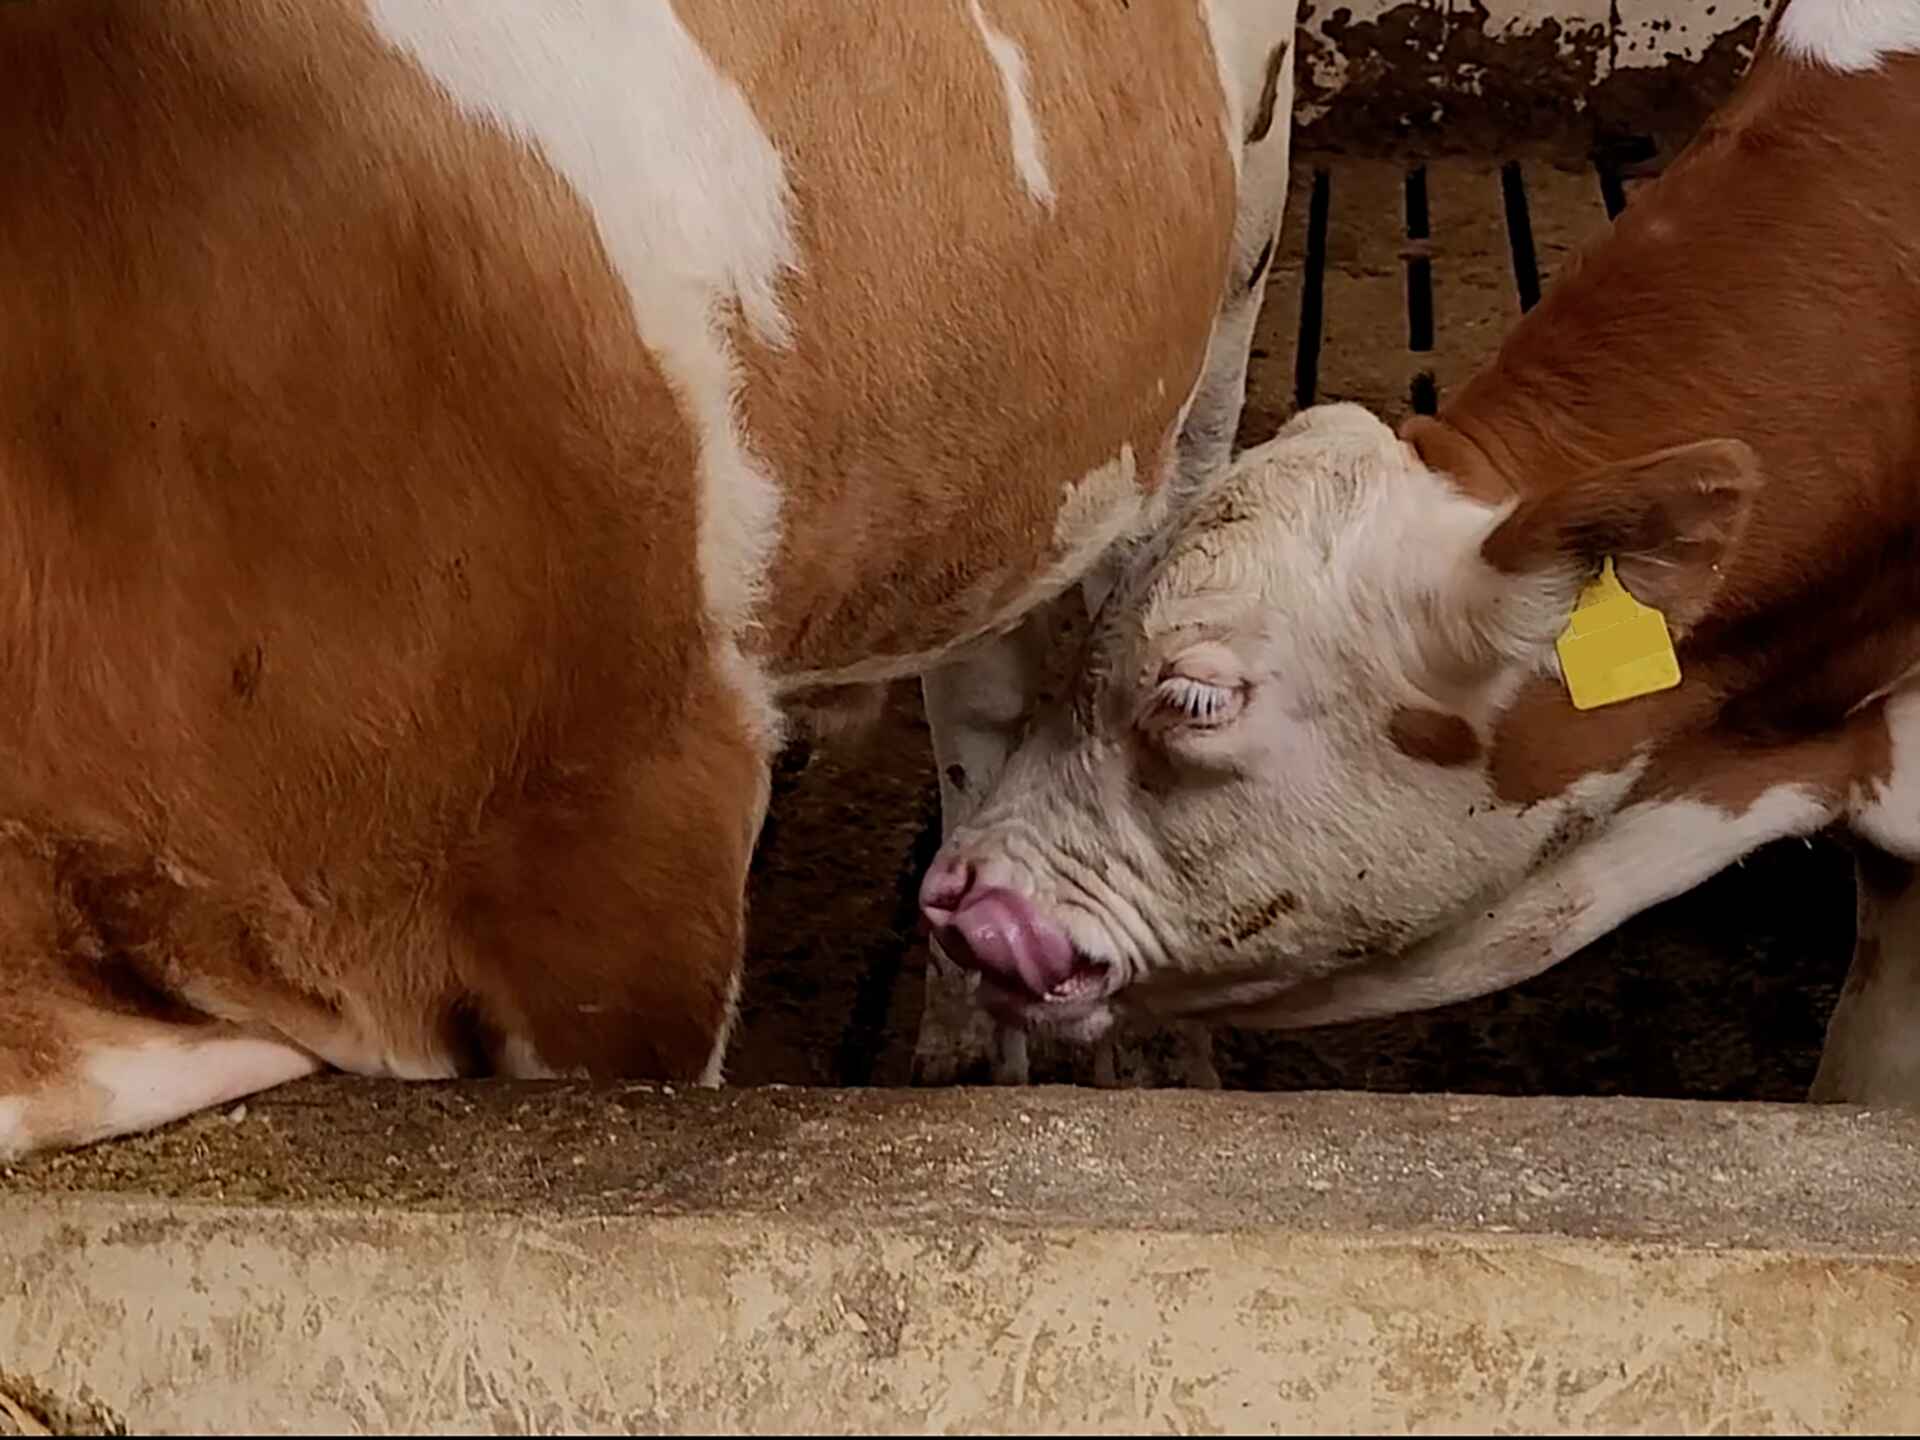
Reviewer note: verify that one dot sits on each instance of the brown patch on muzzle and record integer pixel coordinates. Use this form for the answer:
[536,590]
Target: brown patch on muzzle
[1434,737]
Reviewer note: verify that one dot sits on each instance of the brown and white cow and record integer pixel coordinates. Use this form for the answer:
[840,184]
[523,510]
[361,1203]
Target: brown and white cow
[440,444]
[1322,763]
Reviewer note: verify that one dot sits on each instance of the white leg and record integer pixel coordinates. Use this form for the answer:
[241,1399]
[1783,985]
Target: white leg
[1872,1054]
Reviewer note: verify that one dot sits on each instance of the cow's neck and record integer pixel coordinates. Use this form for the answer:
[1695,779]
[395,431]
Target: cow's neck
[1766,288]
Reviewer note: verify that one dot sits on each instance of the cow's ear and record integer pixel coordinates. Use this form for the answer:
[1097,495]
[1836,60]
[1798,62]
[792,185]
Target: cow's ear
[1670,521]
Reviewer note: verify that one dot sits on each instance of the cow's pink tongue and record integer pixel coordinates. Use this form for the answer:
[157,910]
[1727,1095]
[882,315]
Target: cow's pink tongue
[1005,937]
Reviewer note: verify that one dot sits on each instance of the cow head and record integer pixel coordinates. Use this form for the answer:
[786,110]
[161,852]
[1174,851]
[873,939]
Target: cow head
[1269,798]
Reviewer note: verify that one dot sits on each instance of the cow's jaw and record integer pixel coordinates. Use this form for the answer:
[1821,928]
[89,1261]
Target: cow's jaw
[1079,1007]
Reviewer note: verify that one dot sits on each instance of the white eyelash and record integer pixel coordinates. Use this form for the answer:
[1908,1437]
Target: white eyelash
[1195,700]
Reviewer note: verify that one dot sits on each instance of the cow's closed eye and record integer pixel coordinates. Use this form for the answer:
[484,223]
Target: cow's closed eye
[1201,689]
[1200,704]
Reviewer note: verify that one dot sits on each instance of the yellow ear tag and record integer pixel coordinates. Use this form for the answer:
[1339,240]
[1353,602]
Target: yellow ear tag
[1614,648]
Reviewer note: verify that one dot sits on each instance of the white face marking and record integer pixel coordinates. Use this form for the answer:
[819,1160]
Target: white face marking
[1029,154]
[692,203]
[1849,35]
[1647,853]
[149,1084]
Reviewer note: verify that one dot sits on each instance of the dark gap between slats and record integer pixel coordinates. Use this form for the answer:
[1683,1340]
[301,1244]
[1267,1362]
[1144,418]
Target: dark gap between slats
[1313,275]
[1613,161]
[1526,262]
[861,1041]
[1424,392]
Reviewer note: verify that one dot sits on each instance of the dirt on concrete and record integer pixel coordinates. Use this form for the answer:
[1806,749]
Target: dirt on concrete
[1449,79]
[980,1261]
[28,1408]
[1811,1178]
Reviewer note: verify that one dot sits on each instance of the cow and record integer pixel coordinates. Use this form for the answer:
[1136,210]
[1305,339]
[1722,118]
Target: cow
[446,448]
[1323,760]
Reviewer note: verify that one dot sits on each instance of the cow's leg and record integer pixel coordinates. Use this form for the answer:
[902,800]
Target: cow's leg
[604,929]
[70,1075]
[1872,1054]
[93,1041]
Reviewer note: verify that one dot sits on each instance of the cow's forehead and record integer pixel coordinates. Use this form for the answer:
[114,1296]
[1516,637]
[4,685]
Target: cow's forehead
[1323,505]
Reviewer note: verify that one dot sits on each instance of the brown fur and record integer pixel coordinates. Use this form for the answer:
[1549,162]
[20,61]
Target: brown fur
[1764,290]
[868,423]
[357,689]
[1667,520]
[1254,919]
[1262,122]
[1433,736]
[345,682]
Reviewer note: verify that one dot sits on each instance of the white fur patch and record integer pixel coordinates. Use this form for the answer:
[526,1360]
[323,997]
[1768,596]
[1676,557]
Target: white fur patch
[1872,1050]
[1849,35]
[1648,853]
[976,704]
[692,203]
[1099,506]
[1888,813]
[1029,153]
[148,1084]
[1223,32]
[1251,32]
[14,1138]
[713,1074]
[407,1067]
[521,1061]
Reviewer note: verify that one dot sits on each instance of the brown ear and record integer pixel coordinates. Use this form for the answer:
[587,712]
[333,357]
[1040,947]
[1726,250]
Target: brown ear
[1670,520]
[1455,459]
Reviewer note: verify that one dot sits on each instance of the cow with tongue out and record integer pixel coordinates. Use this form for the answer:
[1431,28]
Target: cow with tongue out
[1331,755]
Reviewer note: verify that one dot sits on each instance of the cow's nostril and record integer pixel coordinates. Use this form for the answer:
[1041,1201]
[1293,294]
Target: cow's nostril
[943,888]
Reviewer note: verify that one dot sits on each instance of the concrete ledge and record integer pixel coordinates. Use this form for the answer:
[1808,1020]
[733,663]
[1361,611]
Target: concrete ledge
[350,1256]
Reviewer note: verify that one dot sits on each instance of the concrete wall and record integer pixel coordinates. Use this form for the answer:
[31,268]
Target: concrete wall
[1505,73]
[350,1257]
